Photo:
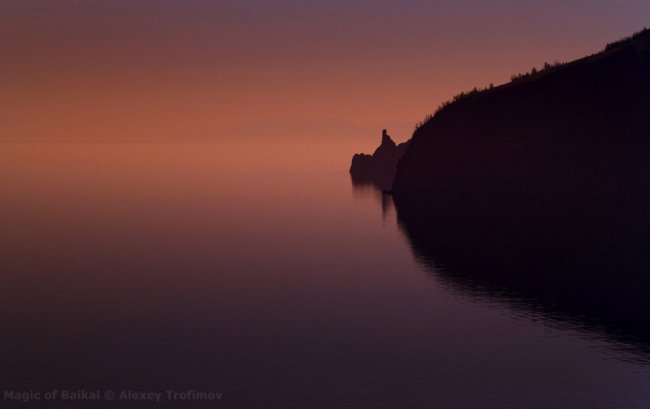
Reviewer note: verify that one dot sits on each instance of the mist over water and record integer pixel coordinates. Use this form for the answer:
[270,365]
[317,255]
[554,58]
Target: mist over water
[259,270]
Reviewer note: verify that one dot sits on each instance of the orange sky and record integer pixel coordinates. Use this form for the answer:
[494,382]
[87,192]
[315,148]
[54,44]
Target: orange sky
[169,69]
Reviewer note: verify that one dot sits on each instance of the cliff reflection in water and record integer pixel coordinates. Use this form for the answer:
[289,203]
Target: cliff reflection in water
[589,265]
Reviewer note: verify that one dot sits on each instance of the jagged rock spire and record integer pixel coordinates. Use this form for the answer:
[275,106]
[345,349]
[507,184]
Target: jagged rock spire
[383,160]
[386,139]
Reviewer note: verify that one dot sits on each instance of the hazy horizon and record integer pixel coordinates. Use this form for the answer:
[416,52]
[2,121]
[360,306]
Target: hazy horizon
[168,70]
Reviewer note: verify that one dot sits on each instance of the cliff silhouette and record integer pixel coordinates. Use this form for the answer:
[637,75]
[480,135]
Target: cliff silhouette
[575,132]
[378,168]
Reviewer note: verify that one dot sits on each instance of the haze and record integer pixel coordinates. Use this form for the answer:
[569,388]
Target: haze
[118,70]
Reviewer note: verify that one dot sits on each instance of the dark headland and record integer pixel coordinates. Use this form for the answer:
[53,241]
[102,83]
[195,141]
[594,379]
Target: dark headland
[567,132]
[379,168]
[384,159]
[538,191]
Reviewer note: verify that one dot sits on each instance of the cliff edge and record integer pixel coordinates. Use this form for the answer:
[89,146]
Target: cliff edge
[570,133]
[384,159]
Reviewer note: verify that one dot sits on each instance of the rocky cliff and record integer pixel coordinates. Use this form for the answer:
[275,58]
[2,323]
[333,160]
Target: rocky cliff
[383,160]
[575,133]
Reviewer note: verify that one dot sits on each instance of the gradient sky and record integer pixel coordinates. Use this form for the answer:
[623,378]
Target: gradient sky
[118,70]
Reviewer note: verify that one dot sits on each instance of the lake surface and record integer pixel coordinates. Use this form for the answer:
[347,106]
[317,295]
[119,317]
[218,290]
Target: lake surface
[255,269]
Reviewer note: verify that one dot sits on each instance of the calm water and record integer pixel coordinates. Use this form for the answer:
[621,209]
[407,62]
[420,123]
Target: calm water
[257,270]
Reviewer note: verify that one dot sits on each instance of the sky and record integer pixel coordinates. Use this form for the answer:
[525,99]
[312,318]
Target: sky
[145,70]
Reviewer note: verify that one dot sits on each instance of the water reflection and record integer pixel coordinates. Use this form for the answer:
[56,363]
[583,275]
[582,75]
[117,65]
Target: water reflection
[156,267]
[587,266]
[376,185]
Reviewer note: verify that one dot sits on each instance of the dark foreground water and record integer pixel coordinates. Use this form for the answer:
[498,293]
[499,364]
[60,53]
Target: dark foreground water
[254,274]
